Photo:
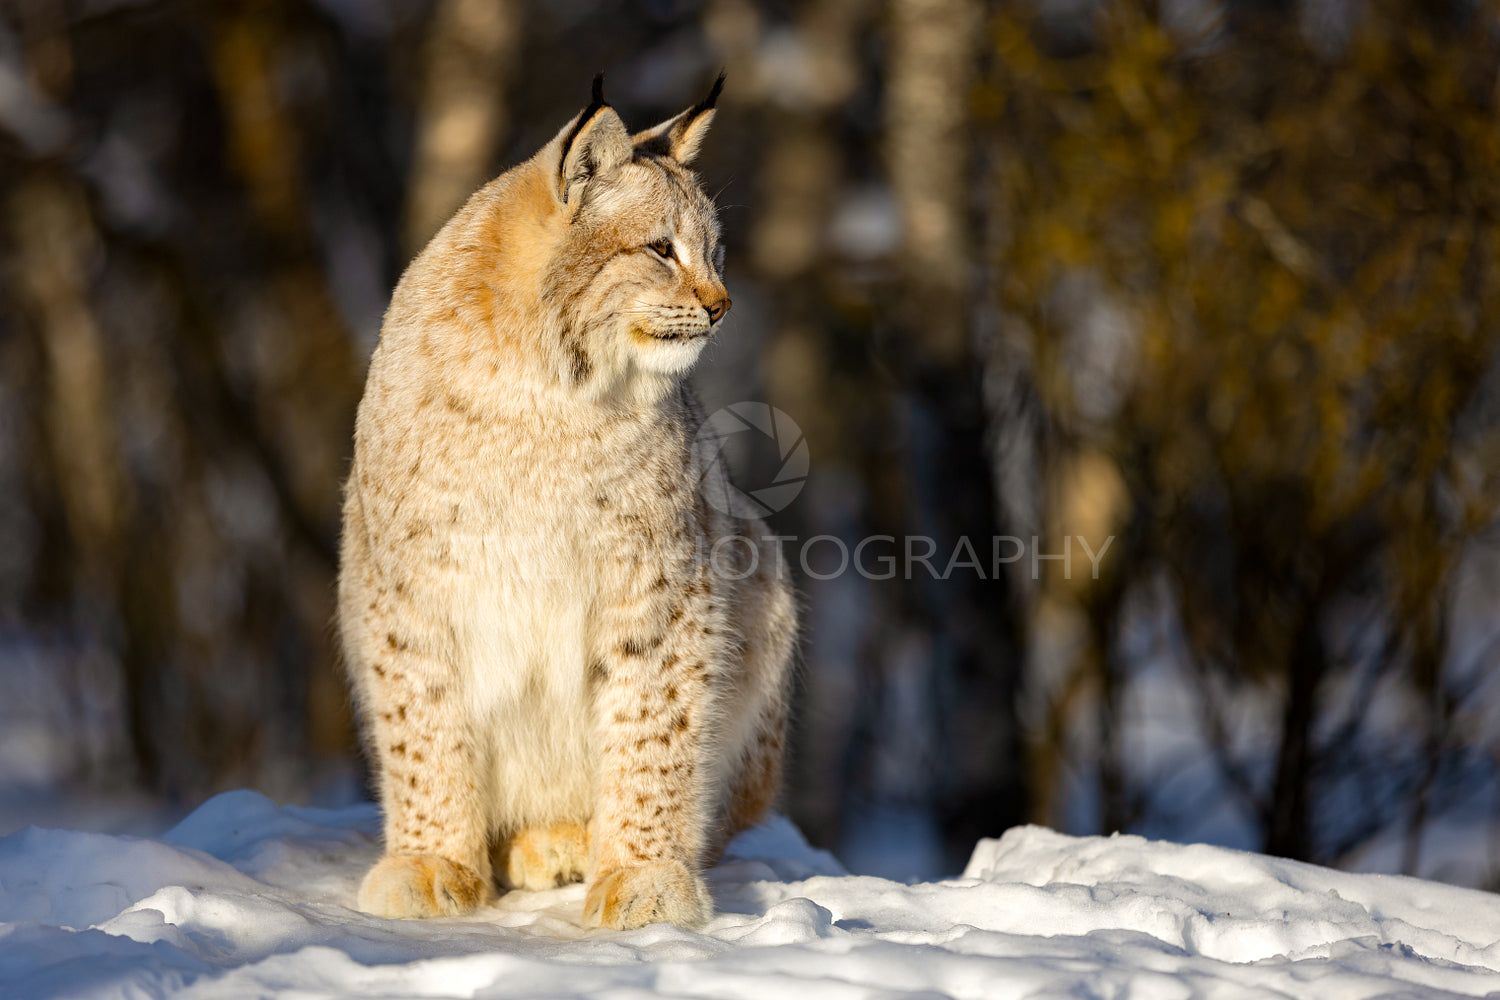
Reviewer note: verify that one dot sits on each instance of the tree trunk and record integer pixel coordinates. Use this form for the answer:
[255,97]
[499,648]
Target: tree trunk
[470,59]
[1289,830]
[934,52]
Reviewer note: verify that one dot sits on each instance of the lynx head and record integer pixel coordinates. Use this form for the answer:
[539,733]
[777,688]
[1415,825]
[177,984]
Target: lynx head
[636,273]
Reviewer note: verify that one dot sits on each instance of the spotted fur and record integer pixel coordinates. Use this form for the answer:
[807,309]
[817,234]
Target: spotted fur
[554,678]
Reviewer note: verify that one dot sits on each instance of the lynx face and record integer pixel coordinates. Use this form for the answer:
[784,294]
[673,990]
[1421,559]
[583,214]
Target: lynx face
[639,264]
[660,293]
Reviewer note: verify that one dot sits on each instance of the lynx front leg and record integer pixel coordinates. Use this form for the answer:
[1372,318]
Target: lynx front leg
[436,859]
[652,815]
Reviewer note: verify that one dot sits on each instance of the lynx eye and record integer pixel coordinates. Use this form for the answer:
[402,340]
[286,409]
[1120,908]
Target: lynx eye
[662,248]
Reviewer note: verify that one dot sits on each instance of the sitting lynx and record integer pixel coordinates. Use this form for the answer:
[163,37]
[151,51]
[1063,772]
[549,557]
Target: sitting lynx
[567,665]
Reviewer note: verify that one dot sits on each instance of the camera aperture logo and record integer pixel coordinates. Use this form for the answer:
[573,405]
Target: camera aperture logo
[769,428]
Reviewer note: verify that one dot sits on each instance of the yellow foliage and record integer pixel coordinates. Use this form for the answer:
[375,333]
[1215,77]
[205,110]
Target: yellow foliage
[1306,246]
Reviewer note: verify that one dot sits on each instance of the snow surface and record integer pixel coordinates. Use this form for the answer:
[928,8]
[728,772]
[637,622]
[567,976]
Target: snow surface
[247,899]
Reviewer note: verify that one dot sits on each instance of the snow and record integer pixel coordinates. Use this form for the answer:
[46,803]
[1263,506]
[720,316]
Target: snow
[245,898]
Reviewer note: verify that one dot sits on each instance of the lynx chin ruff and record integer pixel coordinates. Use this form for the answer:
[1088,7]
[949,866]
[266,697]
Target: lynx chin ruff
[555,680]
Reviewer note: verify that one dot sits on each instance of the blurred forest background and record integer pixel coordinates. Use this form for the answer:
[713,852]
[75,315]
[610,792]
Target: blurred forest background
[1217,279]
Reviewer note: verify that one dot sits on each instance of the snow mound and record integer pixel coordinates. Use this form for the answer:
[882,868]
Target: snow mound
[244,898]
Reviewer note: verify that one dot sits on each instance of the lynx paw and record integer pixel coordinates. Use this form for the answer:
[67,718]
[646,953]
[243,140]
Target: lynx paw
[421,885]
[645,894]
[541,857]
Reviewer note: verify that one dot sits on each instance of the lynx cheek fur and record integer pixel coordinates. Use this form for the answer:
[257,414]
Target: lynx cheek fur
[554,679]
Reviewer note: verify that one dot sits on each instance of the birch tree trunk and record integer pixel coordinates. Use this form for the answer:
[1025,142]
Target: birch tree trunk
[469,63]
[934,50]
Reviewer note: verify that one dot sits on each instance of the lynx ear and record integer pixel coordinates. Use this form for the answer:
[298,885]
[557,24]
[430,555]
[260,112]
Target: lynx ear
[595,146]
[681,136]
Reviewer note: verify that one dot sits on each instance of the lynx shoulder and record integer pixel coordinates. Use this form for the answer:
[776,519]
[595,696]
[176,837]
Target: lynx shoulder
[554,681]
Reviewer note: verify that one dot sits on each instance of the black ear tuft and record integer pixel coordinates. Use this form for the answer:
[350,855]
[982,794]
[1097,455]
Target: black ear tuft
[708,102]
[599,88]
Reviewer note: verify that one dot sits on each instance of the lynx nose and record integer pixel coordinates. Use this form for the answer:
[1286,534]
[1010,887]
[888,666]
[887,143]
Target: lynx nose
[717,310]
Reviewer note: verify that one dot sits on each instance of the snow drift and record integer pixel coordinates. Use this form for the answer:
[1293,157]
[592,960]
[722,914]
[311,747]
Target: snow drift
[244,899]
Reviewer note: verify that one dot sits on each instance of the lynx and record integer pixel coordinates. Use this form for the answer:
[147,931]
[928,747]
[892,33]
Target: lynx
[567,665]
